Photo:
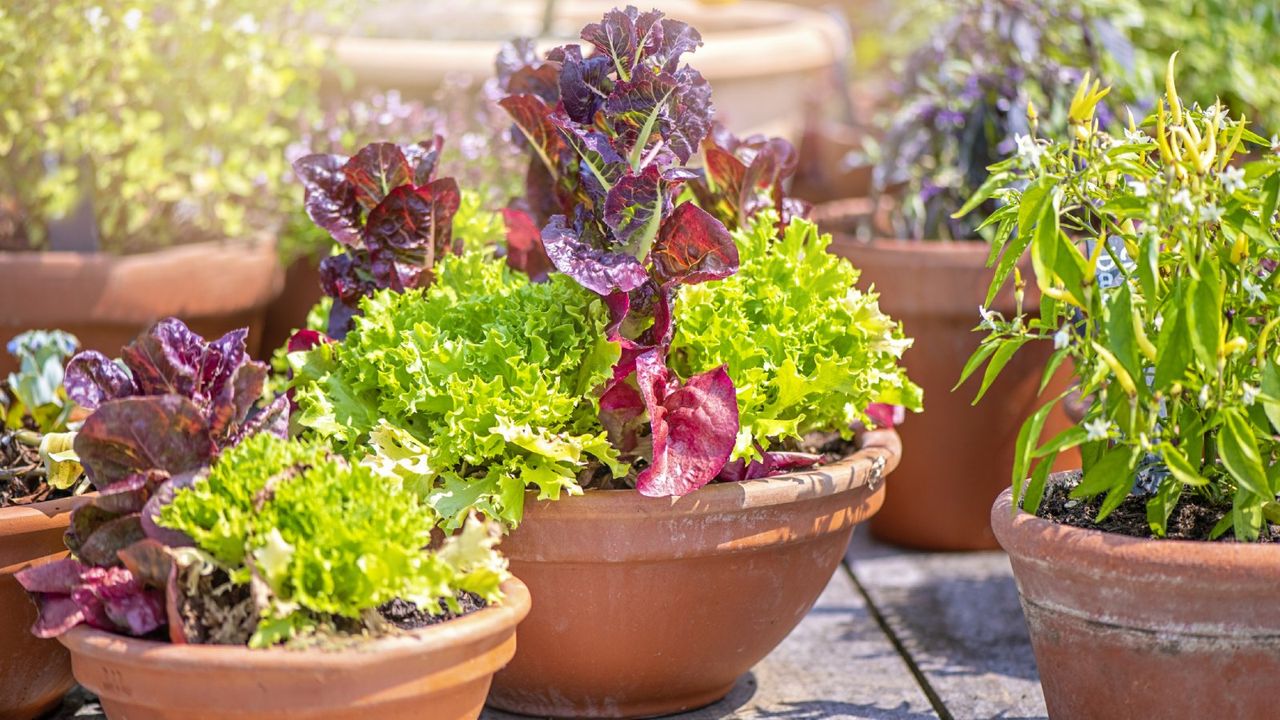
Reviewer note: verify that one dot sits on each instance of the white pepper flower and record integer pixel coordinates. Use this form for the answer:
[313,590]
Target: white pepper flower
[1254,288]
[132,19]
[988,318]
[1232,179]
[1183,198]
[1136,137]
[1029,150]
[1097,429]
[1210,213]
[1138,187]
[1062,338]
[1250,393]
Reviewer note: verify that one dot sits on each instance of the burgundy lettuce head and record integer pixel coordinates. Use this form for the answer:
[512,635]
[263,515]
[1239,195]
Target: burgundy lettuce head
[609,144]
[160,415]
[393,218]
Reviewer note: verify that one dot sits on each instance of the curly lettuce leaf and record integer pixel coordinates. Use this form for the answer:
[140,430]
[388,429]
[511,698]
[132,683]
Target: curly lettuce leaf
[805,349]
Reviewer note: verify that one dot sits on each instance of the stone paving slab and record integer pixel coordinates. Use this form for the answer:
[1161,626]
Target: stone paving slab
[957,616]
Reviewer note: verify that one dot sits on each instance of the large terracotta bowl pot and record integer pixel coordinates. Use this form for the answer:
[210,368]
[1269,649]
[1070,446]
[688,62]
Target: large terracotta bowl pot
[34,673]
[960,456]
[441,672]
[647,606]
[106,300]
[760,57]
[1124,627]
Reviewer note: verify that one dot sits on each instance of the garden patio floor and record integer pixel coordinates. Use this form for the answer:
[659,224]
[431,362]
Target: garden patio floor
[897,635]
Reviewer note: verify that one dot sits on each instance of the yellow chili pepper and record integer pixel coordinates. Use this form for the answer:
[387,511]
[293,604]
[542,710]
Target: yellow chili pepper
[1262,339]
[1122,375]
[1140,333]
[1171,91]
[1235,345]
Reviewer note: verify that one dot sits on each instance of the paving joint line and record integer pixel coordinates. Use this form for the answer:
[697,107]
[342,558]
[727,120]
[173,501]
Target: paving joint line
[934,699]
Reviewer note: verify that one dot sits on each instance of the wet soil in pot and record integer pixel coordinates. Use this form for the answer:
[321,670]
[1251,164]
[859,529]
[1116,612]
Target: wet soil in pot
[1192,518]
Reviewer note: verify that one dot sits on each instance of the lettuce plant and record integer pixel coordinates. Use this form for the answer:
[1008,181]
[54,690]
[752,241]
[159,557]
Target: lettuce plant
[389,213]
[468,391]
[1155,252]
[819,353]
[742,177]
[609,137]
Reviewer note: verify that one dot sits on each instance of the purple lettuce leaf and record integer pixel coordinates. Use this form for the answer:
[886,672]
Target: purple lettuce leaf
[600,271]
[693,247]
[772,463]
[694,427]
[137,434]
[626,37]
[375,170]
[92,378]
[745,176]
[524,244]
[104,598]
[514,55]
[583,84]
[531,115]
[423,158]
[330,200]
[633,210]
[678,38]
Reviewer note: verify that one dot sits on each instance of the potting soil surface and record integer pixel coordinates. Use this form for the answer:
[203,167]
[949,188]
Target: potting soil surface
[897,635]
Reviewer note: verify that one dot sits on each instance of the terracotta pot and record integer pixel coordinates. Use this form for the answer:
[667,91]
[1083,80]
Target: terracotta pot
[288,312]
[751,50]
[647,606]
[831,165]
[442,672]
[34,673]
[961,455]
[1124,627]
[106,300]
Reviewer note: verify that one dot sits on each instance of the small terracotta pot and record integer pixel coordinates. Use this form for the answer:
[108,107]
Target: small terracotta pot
[442,672]
[961,455]
[106,300]
[34,673]
[288,312]
[1124,627]
[648,606]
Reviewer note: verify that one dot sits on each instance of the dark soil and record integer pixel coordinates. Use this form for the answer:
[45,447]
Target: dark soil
[1191,519]
[22,475]
[830,446]
[406,616]
[217,612]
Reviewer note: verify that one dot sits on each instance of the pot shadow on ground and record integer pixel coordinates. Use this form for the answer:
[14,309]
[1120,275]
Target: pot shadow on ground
[732,708]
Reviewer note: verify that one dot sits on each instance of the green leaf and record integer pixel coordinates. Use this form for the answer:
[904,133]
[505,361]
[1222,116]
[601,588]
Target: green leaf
[983,352]
[1035,488]
[1271,392]
[1065,440]
[1028,438]
[1204,314]
[1113,471]
[1160,506]
[1181,468]
[1148,267]
[1120,336]
[1270,199]
[1238,449]
[1051,367]
[994,181]
[1001,358]
[1046,241]
[1246,516]
[1173,352]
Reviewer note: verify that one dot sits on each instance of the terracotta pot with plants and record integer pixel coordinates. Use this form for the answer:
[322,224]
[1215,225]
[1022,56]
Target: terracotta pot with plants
[224,571]
[38,484]
[963,104]
[1148,578]
[685,392]
[755,48]
[123,204]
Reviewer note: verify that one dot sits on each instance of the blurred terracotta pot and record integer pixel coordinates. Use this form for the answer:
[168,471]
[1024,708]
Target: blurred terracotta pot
[34,673]
[442,671]
[832,164]
[760,57]
[1124,627]
[961,455]
[288,312]
[106,300]
[648,606]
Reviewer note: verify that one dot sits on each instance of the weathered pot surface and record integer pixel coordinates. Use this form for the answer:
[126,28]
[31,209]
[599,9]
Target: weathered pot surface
[34,673]
[442,671]
[1127,627]
[106,300]
[960,455]
[648,606]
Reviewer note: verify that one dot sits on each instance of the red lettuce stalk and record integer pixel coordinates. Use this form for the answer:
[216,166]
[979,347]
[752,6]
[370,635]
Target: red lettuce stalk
[609,141]
[389,213]
[160,415]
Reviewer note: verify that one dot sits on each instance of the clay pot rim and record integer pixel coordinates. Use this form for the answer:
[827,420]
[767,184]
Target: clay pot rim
[37,517]
[877,448]
[780,39]
[122,650]
[103,258]
[1052,542]
[960,253]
